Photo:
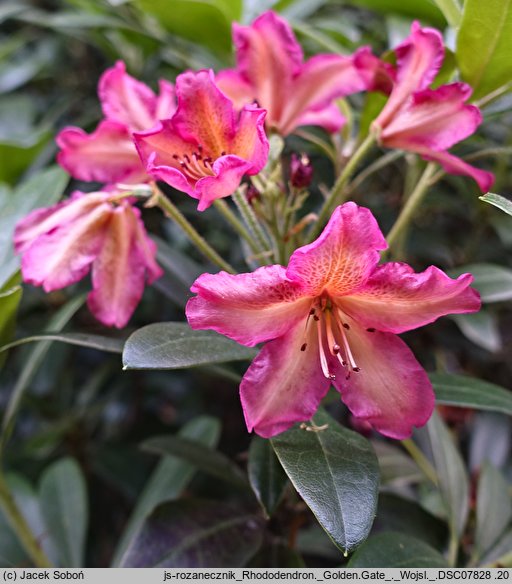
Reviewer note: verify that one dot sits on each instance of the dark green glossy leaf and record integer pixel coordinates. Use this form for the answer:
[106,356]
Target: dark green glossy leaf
[107,344]
[41,190]
[493,282]
[203,458]
[498,201]
[396,550]
[484,50]
[195,534]
[453,481]
[493,508]
[174,345]
[468,392]
[266,475]
[64,505]
[168,480]
[336,473]
[480,328]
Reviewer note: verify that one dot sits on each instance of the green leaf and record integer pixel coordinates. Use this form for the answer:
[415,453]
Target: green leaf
[493,282]
[174,345]
[33,362]
[484,50]
[481,328]
[168,480]
[420,9]
[468,392]
[99,342]
[195,534]
[396,550]
[395,466]
[266,475]
[499,551]
[336,472]
[41,190]
[188,17]
[451,10]
[63,499]
[498,201]
[453,480]
[203,458]
[10,298]
[493,508]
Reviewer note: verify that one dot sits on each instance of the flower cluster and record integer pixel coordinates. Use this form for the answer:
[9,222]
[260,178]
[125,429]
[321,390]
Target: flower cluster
[332,315]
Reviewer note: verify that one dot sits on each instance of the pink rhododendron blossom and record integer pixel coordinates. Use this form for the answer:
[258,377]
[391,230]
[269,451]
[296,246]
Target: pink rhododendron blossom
[207,147]
[332,317]
[108,155]
[271,70]
[98,231]
[428,121]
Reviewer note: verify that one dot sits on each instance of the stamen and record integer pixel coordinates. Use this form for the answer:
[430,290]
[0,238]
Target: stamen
[192,168]
[323,358]
[334,348]
[346,346]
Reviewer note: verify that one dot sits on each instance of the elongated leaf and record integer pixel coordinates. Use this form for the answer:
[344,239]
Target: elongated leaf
[395,466]
[336,472]
[107,344]
[452,476]
[396,550]
[195,534]
[41,190]
[493,282]
[266,475]
[498,201]
[9,300]
[451,10]
[168,480]
[206,459]
[493,508]
[33,362]
[500,550]
[484,50]
[468,392]
[481,328]
[491,439]
[63,499]
[174,345]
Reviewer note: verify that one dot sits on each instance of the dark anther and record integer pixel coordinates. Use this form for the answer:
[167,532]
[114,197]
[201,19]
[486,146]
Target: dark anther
[311,312]
[356,369]
[303,348]
[316,317]
[175,156]
[223,153]
[185,156]
[345,325]
[370,330]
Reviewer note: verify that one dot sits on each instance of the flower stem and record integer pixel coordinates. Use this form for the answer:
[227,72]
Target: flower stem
[336,194]
[223,208]
[170,209]
[411,205]
[21,527]
[420,459]
[251,220]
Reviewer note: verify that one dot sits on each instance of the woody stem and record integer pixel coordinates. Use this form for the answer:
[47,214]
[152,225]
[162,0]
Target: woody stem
[170,209]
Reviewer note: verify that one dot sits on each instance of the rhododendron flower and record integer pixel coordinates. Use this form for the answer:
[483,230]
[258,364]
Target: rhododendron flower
[60,244]
[206,148]
[108,155]
[271,70]
[331,317]
[428,121]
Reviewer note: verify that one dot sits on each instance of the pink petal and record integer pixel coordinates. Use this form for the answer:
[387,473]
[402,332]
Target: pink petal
[284,384]
[329,118]
[42,221]
[377,75]
[454,165]
[435,119]
[268,56]
[321,80]
[391,391]
[63,256]
[165,102]
[107,155]
[250,141]
[172,176]
[248,308]
[126,100]
[343,257]
[419,59]
[146,248]
[118,272]
[238,89]
[395,299]
[205,115]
